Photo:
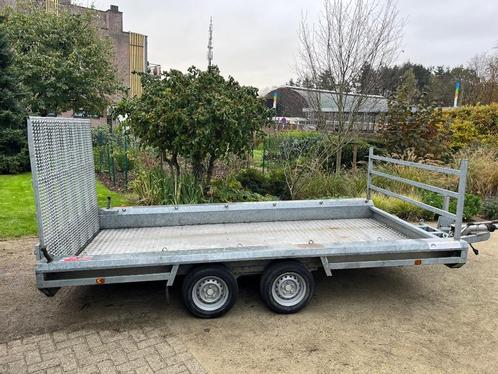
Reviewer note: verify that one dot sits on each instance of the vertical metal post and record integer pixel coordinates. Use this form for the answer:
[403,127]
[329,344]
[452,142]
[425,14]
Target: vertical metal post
[461,199]
[446,203]
[111,161]
[369,176]
[100,148]
[126,160]
[264,151]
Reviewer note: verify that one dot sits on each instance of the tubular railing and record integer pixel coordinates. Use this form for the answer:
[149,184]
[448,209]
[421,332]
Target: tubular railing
[456,217]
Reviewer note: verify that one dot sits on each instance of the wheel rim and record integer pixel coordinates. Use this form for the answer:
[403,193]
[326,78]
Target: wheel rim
[210,293]
[289,289]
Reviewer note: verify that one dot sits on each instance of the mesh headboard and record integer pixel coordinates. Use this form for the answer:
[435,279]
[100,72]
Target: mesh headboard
[64,183]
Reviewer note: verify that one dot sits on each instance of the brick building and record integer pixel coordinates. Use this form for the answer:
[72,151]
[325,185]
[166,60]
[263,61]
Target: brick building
[130,48]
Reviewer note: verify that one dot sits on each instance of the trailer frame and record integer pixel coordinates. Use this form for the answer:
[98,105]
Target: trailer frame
[70,222]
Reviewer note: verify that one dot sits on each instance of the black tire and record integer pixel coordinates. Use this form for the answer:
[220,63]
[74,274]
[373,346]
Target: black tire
[272,285]
[455,266]
[211,278]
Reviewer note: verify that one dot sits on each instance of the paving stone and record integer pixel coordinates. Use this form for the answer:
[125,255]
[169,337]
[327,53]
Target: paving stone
[59,336]
[112,335]
[138,335]
[43,365]
[165,350]
[132,365]
[23,348]
[46,346]
[3,349]
[54,370]
[71,342]
[17,367]
[155,361]
[107,367]
[174,369]
[141,353]
[93,340]
[32,357]
[35,338]
[14,343]
[79,333]
[139,350]
[11,358]
[194,367]
[148,342]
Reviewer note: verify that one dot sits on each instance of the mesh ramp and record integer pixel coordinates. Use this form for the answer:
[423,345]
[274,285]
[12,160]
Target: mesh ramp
[63,175]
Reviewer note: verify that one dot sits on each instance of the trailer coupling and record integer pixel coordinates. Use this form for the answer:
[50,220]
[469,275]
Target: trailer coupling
[474,232]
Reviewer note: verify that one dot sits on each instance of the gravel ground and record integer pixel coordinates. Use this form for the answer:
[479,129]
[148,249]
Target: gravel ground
[416,319]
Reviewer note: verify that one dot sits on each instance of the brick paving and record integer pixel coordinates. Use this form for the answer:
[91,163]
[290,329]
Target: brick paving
[95,350]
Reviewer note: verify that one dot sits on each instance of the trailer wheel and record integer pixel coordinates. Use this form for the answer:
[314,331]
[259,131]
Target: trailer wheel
[286,287]
[209,291]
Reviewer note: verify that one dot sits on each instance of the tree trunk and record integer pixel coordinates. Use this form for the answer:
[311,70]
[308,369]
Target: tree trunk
[172,163]
[338,161]
[176,165]
[210,170]
[198,169]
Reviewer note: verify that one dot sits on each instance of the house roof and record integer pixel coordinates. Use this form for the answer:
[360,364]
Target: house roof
[328,101]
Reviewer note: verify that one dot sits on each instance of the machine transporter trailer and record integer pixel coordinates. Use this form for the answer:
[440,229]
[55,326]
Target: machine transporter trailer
[213,244]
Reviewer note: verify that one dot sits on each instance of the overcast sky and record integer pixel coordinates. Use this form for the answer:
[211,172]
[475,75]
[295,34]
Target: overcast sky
[256,40]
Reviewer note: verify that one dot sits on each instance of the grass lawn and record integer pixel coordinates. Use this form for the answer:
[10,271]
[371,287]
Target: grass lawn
[17,204]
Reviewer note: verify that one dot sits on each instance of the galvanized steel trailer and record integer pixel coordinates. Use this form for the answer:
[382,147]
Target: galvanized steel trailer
[213,244]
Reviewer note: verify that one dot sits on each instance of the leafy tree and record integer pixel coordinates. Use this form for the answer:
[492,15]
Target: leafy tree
[408,92]
[415,122]
[61,60]
[14,156]
[198,116]
[442,86]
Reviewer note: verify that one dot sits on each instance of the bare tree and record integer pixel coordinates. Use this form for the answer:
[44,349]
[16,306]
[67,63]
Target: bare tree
[485,67]
[350,40]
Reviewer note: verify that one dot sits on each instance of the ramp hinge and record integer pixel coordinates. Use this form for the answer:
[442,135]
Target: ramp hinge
[47,255]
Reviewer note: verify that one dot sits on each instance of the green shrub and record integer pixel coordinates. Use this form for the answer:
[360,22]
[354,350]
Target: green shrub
[252,179]
[156,187]
[276,185]
[264,184]
[230,190]
[473,124]
[324,185]
[483,170]
[401,208]
[490,208]
[471,208]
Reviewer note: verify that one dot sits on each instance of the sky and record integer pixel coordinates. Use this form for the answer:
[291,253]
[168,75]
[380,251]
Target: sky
[256,41]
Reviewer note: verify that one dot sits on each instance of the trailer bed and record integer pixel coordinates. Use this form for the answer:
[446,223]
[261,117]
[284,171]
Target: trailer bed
[230,235]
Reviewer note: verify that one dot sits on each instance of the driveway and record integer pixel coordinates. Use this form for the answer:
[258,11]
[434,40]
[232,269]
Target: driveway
[415,319]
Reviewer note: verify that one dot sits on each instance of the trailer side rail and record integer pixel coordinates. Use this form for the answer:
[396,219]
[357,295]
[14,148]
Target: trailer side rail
[459,195]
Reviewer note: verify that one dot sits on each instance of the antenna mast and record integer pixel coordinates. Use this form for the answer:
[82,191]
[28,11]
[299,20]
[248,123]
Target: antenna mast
[210,43]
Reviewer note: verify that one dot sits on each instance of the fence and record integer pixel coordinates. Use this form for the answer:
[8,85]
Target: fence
[112,155]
